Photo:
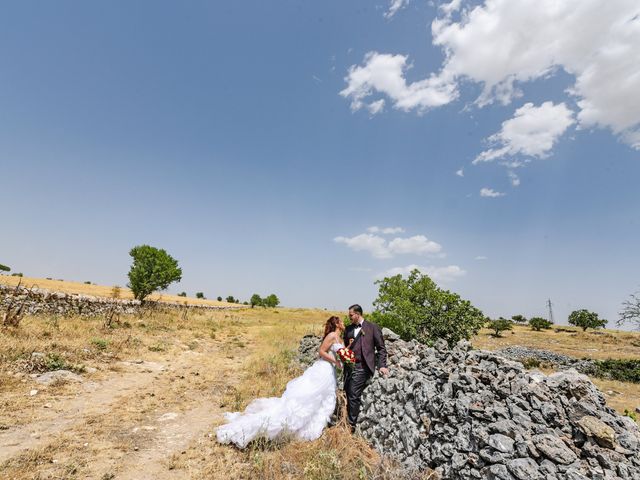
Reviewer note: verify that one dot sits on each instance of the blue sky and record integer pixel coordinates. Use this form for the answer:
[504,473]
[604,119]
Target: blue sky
[220,133]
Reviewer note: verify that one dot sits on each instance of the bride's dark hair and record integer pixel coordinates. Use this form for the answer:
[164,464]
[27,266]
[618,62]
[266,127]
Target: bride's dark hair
[331,325]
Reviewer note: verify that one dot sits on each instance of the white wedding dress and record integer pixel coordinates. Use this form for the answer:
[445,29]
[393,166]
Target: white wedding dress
[303,410]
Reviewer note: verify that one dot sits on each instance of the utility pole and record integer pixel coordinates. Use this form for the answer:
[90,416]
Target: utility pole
[550,306]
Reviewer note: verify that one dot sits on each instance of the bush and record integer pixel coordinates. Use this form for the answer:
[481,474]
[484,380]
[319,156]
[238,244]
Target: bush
[622,370]
[116,291]
[199,295]
[416,308]
[586,319]
[521,319]
[230,299]
[499,326]
[17,274]
[539,323]
[152,269]
[99,343]
[219,299]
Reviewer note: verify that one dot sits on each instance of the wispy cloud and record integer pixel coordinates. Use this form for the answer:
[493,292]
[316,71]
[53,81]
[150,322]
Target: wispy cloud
[481,257]
[460,172]
[438,274]
[394,7]
[490,193]
[386,230]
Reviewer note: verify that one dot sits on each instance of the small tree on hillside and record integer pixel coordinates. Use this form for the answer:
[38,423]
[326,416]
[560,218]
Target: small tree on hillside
[256,300]
[631,311]
[219,299]
[200,295]
[416,308]
[500,325]
[272,301]
[539,323]
[182,294]
[4,268]
[586,319]
[520,319]
[230,299]
[152,269]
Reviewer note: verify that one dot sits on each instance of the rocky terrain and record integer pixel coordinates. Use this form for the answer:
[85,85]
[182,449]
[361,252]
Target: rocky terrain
[471,414]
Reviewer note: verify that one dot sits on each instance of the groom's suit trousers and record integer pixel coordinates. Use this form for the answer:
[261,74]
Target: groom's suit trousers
[355,381]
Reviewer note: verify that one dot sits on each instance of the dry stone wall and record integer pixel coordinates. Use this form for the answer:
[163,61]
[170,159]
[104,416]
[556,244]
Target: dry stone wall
[41,301]
[472,414]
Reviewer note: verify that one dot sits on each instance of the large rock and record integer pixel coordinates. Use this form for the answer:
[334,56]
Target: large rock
[58,376]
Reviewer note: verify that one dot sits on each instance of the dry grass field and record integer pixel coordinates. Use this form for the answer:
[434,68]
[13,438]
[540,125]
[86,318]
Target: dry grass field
[100,290]
[154,388]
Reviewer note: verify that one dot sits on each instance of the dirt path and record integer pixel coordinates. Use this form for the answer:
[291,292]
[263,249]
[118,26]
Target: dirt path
[130,425]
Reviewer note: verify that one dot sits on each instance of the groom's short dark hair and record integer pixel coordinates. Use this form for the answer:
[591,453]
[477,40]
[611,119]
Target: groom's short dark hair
[356,308]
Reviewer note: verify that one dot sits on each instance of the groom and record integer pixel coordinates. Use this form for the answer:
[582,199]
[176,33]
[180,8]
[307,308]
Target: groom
[366,345]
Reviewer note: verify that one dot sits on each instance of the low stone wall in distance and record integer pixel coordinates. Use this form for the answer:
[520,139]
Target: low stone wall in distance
[39,301]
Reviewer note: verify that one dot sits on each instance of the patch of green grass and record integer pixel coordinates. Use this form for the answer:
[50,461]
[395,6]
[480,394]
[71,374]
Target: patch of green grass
[100,343]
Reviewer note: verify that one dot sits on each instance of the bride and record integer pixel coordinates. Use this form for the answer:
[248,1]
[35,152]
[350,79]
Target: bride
[305,407]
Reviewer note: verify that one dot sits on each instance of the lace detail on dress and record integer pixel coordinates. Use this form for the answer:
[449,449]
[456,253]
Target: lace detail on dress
[304,409]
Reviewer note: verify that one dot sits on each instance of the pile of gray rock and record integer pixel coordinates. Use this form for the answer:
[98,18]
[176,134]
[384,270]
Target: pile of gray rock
[545,357]
[42,301]
[470,414]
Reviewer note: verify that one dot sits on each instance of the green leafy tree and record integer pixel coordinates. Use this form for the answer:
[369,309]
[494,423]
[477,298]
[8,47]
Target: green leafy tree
[200,295]
[520,319]
[152,269]
[586,319]
[539,323]
[256,300]
[182,294]
[500,325]
[219,299]
[230,299]
[416,308]
[272,301]
[4,268]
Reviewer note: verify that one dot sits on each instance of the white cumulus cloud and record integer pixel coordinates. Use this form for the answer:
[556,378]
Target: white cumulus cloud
[531,132]
[490,193]
[379,247]
[437,274]
[500,44]
[375,245]
[384,73]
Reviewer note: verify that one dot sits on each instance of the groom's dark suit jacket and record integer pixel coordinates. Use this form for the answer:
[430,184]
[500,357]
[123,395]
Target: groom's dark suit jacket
[372,344]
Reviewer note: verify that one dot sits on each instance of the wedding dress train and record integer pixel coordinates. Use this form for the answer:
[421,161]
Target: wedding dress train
[303,410]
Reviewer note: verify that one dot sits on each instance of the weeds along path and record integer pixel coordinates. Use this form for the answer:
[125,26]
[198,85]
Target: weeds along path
[129,426]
